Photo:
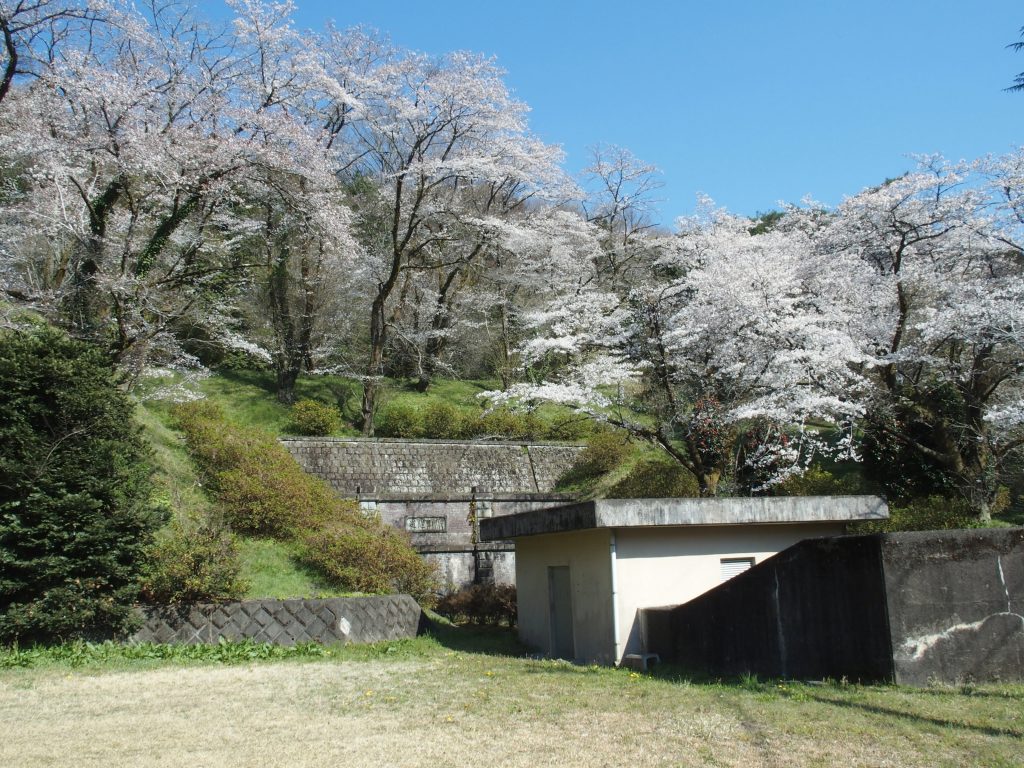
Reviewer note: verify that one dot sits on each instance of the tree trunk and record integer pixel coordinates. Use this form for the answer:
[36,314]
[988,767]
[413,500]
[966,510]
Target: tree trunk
[287,375]
[374,368]
[708,483]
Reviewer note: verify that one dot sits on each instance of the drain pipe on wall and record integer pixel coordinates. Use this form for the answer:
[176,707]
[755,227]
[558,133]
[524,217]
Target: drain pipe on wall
[615,600]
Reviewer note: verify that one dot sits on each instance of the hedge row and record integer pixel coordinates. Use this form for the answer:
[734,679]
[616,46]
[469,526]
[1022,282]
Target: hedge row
[440,420]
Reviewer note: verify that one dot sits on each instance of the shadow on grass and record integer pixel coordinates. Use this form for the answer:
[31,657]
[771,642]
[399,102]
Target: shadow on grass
[259,379]
[1014,692]
[470,638]
[802,691]
[875,709]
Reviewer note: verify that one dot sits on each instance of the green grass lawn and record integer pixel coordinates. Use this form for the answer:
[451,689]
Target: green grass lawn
[469,698]
[271,569]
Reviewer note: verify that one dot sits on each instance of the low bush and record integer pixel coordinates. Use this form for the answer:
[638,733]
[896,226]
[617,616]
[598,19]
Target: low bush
[934,513]
[656,479]
[364,558]
[816,482]
[443,420]
[399,420]
[481,604]
[262,490]
[605,452]
[308,417]
[192,561]
[575,427]
[507,424]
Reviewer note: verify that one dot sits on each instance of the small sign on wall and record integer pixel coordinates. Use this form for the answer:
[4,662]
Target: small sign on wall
[426,524]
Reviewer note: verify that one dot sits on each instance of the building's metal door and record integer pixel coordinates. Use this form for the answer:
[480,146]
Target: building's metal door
[560,612]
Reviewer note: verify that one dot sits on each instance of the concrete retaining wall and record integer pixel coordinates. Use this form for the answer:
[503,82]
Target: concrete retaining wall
[956,604]
[814,610]
[911,608]
[439,529]
[285,622]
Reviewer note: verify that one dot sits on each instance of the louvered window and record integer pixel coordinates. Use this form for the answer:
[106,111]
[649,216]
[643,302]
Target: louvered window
[734,566]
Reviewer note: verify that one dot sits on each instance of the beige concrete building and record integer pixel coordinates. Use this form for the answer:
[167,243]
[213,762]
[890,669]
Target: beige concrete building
[584,570]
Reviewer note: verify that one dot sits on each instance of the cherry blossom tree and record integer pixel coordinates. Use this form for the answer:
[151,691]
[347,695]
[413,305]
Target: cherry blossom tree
[727,328]
[620,201]
[34,31]
[941,315]
[157,156]
[437,136]
[303,241]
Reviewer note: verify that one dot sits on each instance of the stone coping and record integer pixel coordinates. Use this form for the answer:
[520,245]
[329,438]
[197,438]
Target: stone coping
[439,498]
[465,549]
[430,441]
[638,513]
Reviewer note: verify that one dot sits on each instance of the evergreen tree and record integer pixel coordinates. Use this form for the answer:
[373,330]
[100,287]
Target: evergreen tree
[74,490]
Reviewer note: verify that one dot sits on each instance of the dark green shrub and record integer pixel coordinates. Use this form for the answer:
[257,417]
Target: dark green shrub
[74,492]
[371,558]
[399,420]
[507,424]
[192,561]
[655,479]
[308,417]
[443,420]
[481,604]
[934,513]
[817,482]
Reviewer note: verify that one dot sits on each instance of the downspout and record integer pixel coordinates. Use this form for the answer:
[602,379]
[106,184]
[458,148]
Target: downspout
[615,600]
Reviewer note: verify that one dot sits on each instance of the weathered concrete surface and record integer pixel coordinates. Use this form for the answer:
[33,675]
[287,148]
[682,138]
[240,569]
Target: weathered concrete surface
[812,611]
[432,489]
[631,513]
[444,520]
[439,528]
[285,622]
[377,467]
[956,604]
[911,608]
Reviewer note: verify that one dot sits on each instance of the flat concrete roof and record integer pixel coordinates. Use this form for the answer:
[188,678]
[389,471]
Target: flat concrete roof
[637,513]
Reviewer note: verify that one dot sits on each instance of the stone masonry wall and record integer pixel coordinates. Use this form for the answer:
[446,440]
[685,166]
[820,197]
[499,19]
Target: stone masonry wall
[378,468]
[285,622]
[432,488]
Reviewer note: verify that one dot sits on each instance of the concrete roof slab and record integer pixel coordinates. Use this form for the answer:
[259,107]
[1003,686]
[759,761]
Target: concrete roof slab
[635,513]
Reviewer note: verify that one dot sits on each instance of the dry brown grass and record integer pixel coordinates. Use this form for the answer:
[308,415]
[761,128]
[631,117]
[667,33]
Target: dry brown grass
[467,709]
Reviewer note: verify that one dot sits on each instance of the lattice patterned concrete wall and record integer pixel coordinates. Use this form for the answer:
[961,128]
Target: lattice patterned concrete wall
[430,467]
[286,622]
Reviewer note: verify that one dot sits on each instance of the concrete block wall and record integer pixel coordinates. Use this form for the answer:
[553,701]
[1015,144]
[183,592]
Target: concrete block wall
[450,545]
[285,622]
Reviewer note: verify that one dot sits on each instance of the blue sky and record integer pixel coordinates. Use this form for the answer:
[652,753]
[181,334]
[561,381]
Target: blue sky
[748,102]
